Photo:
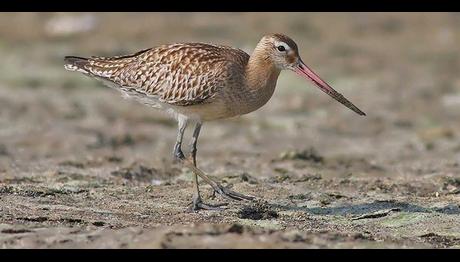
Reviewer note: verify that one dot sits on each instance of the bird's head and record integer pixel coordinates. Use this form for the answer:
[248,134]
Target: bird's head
[283,53]
[280,50]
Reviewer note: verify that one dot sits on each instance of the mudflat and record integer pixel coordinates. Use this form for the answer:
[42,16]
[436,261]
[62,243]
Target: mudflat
[81,167]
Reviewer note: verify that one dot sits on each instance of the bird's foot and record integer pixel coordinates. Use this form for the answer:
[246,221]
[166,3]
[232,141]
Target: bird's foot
[218,188]
[197,204]
[229,194]
[178,156]
[213,194]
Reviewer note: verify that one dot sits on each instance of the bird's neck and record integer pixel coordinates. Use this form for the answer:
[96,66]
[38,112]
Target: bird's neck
[261,73]
[261,76]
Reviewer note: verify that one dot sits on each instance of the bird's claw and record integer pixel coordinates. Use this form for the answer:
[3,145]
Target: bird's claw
[213,194]
[199,205]
[229,194]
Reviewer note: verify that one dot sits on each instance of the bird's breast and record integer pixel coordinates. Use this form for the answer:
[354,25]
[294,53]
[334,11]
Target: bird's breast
[245,100]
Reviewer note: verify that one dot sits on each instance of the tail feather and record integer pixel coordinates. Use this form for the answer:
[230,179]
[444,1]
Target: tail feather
[100,68]
[96,66]
[75,63]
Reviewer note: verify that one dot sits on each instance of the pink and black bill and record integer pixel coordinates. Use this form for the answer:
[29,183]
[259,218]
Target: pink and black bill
[306,72]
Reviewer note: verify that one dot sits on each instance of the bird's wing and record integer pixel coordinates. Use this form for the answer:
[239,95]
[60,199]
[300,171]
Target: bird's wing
[178,74]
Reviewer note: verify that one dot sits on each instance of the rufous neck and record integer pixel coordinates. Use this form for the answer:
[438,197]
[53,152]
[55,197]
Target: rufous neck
[261,72]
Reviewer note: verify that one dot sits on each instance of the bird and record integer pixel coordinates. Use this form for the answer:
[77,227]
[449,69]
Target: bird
[198,82]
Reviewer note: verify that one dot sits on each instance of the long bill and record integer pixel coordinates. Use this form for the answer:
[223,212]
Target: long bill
[306,72]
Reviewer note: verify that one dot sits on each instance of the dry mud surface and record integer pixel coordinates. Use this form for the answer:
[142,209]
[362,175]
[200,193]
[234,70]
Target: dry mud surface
[80,167]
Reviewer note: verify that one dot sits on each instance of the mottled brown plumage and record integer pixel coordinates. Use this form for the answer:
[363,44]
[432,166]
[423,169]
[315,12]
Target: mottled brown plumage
[200,82]
[179,74]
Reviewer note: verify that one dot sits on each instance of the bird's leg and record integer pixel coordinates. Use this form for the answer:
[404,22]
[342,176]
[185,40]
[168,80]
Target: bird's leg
[182,124]
[194,142]
[197,203]
[218,188]
[179,155]
[223,191]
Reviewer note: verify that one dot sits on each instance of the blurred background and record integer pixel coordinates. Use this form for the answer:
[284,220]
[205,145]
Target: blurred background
[402,69]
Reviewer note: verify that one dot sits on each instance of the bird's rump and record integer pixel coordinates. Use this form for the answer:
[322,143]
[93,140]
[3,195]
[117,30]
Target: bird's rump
[178,74]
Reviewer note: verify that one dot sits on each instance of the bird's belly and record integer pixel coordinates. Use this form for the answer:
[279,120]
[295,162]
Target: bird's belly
[207,111]
[220,107]
[227,106]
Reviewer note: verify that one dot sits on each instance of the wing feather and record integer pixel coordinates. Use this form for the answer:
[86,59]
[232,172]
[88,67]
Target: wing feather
[178,74]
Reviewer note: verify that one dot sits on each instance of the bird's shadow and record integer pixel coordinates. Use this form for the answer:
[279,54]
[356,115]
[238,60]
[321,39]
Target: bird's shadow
[367,208]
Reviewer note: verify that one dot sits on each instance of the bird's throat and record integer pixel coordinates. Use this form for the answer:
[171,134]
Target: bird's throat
[261,72]
[261,77]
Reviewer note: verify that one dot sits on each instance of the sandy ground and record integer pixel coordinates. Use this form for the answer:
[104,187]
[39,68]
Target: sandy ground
[80,167]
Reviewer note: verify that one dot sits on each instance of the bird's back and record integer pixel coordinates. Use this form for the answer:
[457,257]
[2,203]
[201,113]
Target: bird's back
[178,74]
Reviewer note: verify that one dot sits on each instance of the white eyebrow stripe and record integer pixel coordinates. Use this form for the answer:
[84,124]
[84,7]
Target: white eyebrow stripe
[286,46]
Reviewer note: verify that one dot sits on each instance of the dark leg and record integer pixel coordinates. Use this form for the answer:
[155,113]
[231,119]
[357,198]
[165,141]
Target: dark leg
[196,133]
[218,188]
[224,192]
[197,202]
[178,155]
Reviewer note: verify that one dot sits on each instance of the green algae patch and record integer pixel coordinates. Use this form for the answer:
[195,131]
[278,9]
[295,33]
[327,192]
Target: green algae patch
[266,224]
[403,219]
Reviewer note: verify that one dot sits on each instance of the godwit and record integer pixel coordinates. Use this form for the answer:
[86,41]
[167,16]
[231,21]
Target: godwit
[197,82]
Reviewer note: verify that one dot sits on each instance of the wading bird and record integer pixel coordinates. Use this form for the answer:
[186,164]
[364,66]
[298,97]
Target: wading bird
[198,82]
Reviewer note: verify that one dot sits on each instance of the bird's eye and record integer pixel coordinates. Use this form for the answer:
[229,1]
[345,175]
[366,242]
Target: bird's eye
[281,48]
